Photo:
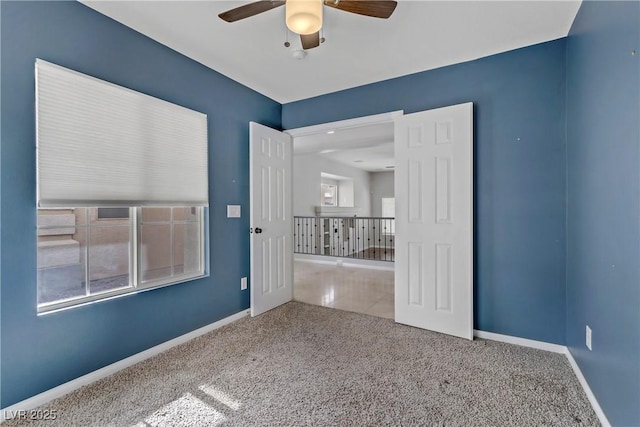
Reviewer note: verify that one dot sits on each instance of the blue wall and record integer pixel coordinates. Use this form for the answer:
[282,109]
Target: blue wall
[39,353]
[529,184]
[519,105]
[603,233]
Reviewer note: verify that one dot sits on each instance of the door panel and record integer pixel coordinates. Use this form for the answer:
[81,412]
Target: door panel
[271,218]
[434,220]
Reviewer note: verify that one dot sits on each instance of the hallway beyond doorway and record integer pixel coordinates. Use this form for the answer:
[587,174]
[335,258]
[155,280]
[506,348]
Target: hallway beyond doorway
[360,290]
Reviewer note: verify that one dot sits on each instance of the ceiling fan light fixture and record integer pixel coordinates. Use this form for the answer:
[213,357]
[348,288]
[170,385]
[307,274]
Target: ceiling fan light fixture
[304,16]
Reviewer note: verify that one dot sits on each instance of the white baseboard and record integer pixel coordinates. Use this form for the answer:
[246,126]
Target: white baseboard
[540,345]
[585,386]
[61,390]
[345,262]
[555,348]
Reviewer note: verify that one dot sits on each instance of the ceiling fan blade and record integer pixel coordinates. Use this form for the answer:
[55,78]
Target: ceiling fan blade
[310,41]
[250,9]
[374,8]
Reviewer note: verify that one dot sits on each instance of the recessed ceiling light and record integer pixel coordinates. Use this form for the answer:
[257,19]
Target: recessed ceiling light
[328,151]
[331,132]
[357,161]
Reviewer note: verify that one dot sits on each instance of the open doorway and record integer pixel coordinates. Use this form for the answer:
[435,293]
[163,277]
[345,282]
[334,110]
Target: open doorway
[344,215]
[433,232]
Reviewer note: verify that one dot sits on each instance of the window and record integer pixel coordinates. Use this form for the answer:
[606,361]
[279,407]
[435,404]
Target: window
[143,161]
[389,211]
[329,194]
[82,257]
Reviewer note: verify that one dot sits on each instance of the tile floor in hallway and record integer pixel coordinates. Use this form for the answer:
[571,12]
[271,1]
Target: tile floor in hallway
[360,290]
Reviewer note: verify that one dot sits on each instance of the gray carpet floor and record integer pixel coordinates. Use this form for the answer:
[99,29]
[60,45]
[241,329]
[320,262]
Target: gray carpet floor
[305,365]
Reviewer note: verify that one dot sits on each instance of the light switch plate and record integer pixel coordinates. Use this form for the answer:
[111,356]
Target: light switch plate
[233,211]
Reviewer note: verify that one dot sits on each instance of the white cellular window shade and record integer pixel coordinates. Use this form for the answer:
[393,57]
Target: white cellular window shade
[99,144]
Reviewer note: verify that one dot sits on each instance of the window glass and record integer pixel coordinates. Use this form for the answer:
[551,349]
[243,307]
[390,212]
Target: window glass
[86,254]
[108,255]
[187,248]
[171,246]
[329,195]
[152,215]
[155,251]
[61,263]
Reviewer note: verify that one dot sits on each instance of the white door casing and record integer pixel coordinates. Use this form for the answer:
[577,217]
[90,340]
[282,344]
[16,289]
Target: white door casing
[434,220]
[271,217]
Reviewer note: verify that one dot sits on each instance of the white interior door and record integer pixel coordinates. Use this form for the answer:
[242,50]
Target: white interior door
[434,220]
[270,155]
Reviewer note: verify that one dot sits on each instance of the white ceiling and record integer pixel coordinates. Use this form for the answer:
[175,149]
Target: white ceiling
[420,35]
[368,147]
[379,158]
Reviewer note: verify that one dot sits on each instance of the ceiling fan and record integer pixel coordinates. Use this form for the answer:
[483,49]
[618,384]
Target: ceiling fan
[304,17]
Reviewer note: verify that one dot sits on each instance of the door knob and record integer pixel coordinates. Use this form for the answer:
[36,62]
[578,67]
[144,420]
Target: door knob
[258,230]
